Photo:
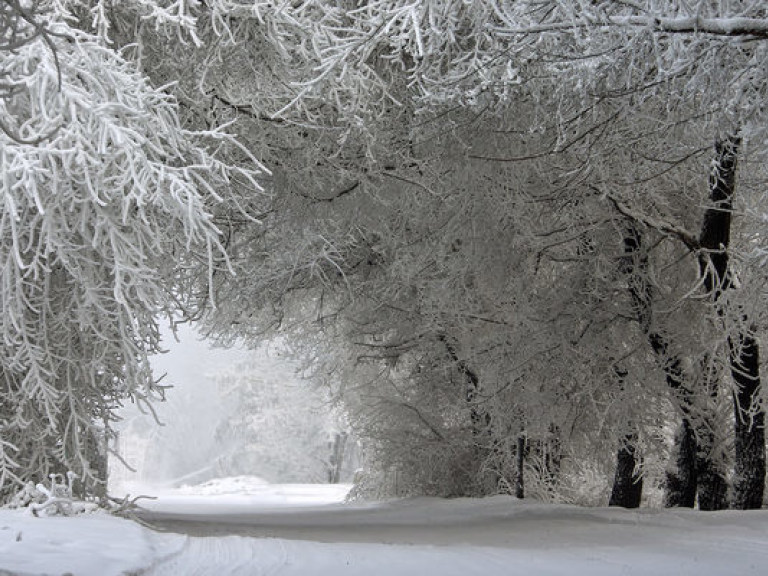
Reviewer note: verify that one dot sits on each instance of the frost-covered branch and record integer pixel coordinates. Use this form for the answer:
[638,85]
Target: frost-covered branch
[106,225]
[733,27]
[690,240]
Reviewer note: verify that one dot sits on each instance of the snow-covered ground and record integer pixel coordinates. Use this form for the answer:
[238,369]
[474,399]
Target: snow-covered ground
[244,526]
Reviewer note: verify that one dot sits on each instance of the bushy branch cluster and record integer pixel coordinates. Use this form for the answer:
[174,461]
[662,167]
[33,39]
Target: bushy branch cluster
[106,225]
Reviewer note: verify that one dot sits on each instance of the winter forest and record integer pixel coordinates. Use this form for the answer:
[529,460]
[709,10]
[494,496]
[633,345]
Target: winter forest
[521,245]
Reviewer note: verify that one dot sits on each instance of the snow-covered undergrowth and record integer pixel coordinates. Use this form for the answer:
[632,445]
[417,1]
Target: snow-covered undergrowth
[306,530]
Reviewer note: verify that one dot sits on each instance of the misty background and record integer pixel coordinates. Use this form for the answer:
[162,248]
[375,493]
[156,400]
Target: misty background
[231,412]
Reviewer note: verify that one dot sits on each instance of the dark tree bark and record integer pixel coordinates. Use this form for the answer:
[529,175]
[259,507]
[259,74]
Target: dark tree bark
[336,460]
[743,348]
[485,446]
[716,228]
[712,485]
[479,419]
[681,480]
[710,467]
[553,457]
[749,464]
[627,484]
[711,478]
[682,476]
[520,461]
[627,488]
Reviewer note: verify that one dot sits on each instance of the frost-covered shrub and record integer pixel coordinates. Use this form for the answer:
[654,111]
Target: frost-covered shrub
[56,499]
[27,496]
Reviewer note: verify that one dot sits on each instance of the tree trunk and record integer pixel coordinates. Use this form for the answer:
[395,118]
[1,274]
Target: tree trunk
[520,460]
[553,457]
[710,474]
[749,465]
[681,478]
[336,460]
[487,452]
[627,484]
[710,464]
[743,348]
[627,488]
[486,448]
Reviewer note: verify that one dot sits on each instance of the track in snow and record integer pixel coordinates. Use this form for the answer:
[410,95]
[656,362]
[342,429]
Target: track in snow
[492,536]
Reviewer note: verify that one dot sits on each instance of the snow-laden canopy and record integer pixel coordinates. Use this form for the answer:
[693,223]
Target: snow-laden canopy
[105,222]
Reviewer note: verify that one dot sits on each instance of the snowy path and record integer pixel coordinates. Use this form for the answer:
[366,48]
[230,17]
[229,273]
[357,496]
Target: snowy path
[494,536]
[235,555]
[266,530]
[498,521]
[246,557]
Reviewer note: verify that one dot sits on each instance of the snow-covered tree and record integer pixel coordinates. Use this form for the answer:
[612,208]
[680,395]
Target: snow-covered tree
[106,225]
[488,223]
[565,120]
